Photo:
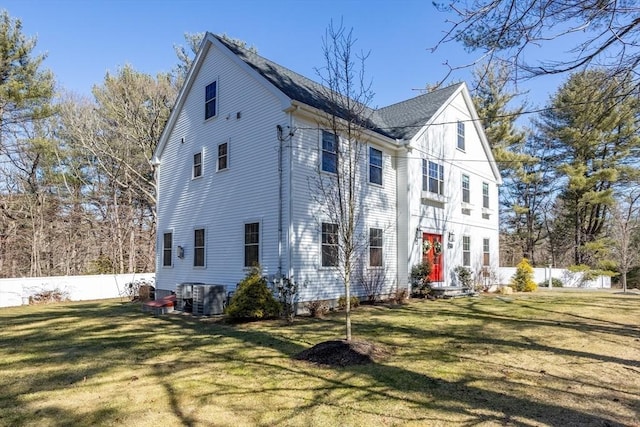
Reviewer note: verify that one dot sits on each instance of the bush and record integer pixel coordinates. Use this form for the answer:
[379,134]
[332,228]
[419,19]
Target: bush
[522,281]
[342,302]
[420,279]
[399,296]
[46,296]
[253,300]
[464,276]
[317,308]
[555,283]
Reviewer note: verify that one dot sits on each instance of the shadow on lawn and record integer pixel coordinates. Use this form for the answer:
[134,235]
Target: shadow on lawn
[108,341]
[432,394]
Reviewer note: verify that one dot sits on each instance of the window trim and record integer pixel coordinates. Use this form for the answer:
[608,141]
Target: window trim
[466,251]
[324,244]
[461,143]
[438,180]
[466,192]
[379,247]
[202,248]
[485,195]
[165,249]
[486,252]
[373,166]
[213,99]
[197,166]
[326,151]
[257,244]
[225,156]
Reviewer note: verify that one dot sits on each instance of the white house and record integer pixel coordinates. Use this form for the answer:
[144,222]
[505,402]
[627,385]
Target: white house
[246,138]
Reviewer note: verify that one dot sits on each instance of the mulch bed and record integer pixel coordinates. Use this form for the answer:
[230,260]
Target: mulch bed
[343,353]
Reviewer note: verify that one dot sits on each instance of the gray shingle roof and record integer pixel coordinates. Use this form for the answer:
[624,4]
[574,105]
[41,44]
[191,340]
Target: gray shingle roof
[398,121]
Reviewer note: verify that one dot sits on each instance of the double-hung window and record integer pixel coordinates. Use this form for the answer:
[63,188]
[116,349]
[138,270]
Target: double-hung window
[466,251]
[198,247]
[466,194]
[486,252]
[197,165]
[375,166]
[485,195]
[167,244]
[375,247]
[432,177]
[210,100]
[223,156]
[329,152]
[461,136]
[251,244]
[329,244]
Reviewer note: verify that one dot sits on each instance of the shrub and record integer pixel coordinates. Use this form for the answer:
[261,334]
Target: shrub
[287,290]
[555,283]
[522,281]
[342,302]
[317,308]
[46,296]
[464,276]
[420,279]
[252,299]
[399,296]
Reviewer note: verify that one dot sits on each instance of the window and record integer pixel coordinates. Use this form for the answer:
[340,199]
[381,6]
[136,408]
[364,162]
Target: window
[223,156]
[375,247]
[375,166]
[432,177]
[485,195]
[465,189]
[466,251]
[251,244]
[167,244]
[210,99]
[461,135]
[329,152]
[198,247]
[197,165]
[329,245]
[486,254]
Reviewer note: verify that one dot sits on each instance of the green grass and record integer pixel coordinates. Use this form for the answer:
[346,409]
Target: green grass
[549,358]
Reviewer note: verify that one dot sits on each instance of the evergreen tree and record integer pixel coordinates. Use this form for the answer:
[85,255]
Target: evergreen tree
[591,125]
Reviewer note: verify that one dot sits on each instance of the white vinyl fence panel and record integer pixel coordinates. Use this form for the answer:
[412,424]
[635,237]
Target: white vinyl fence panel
[569,279]
[16,291]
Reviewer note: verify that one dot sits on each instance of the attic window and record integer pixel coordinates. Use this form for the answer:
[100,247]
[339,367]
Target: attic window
[461,136]
[211,98]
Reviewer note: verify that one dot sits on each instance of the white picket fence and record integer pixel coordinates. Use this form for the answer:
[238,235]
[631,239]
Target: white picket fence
[569,279]
[15,292]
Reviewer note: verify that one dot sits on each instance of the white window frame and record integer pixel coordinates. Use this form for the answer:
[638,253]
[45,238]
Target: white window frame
[486,252]
[466,251]
[225,156]
[197,248]
[379,246]
[466,192]
[373,166]
[485,195]
[197,166]
[460,132]
[327,152]
[257,244]
[327,244]
[213,99]
[166,249]
[429,166]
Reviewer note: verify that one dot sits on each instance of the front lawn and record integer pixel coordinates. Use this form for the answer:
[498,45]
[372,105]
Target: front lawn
[549,358]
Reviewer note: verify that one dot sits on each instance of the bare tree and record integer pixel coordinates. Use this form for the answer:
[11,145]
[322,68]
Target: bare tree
[337,187]
[625,234]
[508,30]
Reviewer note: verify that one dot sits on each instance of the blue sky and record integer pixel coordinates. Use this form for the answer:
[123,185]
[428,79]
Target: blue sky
[85,39]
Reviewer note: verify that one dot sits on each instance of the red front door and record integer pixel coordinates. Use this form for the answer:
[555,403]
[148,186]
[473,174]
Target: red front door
[432,252]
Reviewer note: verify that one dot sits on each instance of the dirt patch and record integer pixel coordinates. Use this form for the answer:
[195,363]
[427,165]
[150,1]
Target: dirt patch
[343,353]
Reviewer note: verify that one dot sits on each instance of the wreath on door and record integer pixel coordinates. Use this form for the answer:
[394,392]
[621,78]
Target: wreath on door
[426,246]
[437,247]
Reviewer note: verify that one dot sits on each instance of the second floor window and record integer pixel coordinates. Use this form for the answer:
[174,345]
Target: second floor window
[329,152]
[375,166]
[223,156]
[466,195]
[197,165]
[210,100]
[432,177]
[485,195]
[329,244]
[461,136]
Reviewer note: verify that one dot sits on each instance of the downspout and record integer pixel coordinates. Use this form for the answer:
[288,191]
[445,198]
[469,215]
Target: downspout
[280,198]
